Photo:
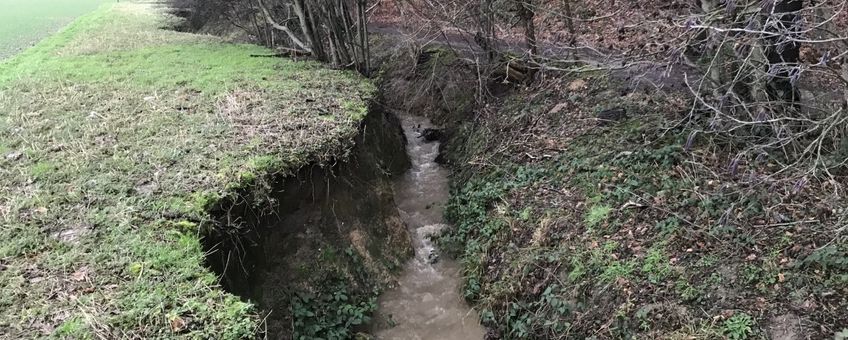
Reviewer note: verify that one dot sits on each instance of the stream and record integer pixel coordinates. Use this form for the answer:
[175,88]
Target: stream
[427,303]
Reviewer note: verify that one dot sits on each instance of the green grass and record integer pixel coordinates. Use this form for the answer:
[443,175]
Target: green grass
[597,214]
[116,136]
[25,22]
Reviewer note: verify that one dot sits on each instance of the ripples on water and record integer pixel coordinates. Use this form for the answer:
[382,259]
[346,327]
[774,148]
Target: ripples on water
[427,303]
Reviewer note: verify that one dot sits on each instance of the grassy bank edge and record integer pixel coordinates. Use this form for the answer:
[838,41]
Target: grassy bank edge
[143,275]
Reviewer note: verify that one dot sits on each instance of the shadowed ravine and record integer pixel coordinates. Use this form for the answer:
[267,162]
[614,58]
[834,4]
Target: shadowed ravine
[426,304]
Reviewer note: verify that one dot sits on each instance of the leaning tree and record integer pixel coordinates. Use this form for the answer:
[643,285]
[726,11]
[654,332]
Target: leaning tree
[333,31]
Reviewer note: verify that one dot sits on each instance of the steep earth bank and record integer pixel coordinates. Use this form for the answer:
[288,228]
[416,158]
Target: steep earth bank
[316,262]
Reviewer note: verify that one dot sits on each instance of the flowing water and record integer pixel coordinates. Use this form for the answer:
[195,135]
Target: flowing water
[427,303]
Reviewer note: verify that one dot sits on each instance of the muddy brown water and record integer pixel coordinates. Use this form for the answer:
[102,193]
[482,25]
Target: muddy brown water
[427,303]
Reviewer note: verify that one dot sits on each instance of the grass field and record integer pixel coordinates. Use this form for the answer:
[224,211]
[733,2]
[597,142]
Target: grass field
[25,22]
[115,137]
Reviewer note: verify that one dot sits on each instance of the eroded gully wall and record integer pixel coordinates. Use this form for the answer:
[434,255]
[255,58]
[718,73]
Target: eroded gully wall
[334,229]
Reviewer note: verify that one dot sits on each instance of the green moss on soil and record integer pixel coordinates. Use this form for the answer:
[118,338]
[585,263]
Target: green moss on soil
[116,136]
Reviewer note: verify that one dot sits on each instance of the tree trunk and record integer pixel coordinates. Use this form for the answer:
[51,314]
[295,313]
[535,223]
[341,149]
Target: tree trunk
[527,14]
[306,46]
[569,20]
[326,26]
[363,36]
[486,36]
[783,52]
[305,20]
[717,64]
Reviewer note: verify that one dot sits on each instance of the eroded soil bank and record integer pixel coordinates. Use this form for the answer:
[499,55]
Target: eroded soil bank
[315,263]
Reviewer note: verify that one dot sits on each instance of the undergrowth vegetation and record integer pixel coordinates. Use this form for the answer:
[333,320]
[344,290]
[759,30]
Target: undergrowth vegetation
[331,315]
[570,229]
[116,136]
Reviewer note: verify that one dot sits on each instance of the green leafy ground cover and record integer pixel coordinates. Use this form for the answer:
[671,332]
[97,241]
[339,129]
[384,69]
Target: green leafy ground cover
[116,135]
[25,22]
[571,228]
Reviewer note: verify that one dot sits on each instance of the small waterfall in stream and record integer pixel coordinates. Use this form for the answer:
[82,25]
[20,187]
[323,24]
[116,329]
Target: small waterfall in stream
[427,303]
